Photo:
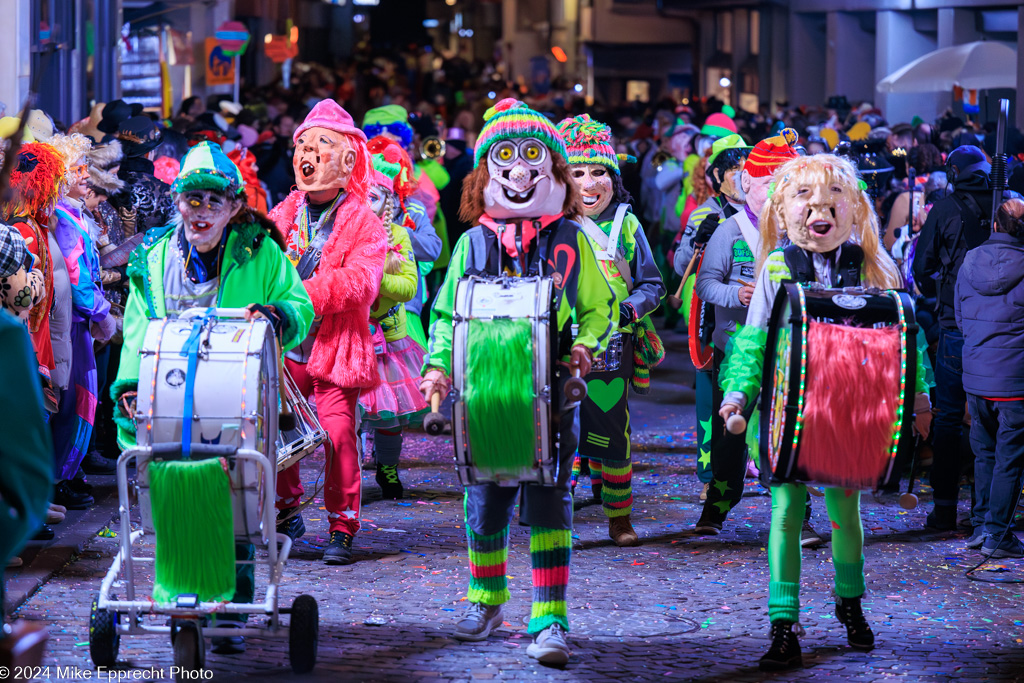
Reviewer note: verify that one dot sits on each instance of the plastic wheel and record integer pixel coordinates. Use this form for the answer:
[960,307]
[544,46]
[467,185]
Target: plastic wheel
[189,647]
[303,634]
[104,640]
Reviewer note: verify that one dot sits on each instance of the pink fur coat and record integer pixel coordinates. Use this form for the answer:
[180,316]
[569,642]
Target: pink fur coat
[343,289]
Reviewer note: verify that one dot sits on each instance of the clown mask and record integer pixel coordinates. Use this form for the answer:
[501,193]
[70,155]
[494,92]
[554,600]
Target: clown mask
[323,161]
[819,215]
[679,146]
[595,183]
[522,180]
[205,214]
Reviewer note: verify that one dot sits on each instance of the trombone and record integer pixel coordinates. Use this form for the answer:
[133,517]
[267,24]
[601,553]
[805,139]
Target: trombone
[432,148]
[660,158]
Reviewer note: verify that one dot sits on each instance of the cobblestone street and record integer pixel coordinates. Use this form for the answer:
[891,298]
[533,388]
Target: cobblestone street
[679,607]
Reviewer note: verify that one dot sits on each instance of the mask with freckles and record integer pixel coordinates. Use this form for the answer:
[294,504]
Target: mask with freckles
[522,182]
[595,183]
[324,160]
[818,207]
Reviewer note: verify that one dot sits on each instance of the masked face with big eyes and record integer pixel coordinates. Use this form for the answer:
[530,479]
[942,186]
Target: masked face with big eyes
[595,183]
[522,180]
[382,202]
[323,160]
[205,214]
[819,215]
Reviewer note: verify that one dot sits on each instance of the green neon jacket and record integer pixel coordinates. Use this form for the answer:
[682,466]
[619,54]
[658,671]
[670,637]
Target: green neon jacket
[579,284]
[254,270]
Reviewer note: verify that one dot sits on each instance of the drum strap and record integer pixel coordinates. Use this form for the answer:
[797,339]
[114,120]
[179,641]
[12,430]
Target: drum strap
[190,350]
[310,258]
[845,274]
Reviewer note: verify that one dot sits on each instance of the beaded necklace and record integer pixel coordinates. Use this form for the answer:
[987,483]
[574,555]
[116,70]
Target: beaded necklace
[306,231]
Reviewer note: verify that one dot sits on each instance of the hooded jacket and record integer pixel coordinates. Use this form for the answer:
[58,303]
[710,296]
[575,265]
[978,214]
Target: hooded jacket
[954,226]
[990,312]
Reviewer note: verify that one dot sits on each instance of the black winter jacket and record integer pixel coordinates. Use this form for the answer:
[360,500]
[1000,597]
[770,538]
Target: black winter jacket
[956,224]
[990,312]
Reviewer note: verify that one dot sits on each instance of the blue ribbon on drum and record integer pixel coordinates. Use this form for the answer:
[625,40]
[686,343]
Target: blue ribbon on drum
[191,351]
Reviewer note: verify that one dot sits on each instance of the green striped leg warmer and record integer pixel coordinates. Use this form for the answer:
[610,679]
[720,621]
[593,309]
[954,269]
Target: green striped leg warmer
[488,557]
[617,489]
[550,550]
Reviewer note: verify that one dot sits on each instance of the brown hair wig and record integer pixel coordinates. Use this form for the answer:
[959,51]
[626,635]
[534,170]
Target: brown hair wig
[472,206]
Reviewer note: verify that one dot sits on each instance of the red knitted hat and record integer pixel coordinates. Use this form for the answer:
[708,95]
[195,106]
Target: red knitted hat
[771,153]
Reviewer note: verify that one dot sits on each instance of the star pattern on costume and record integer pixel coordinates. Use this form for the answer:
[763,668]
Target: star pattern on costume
[723,506]
[722,486]
[705,430]
[350,514]
[705,457]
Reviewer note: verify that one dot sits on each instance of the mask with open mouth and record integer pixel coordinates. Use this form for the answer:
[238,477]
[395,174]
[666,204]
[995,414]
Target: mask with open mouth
[324,160]
[205,214]
[522,182]
[595,183]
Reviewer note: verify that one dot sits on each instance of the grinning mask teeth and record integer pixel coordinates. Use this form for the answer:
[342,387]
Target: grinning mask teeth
[820,215]
[323,160]
[522,181]
[205,214]
[595,183]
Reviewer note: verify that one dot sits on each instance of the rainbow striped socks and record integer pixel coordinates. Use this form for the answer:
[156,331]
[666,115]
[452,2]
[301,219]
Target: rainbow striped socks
[488,557]
[550,550]
[616,487]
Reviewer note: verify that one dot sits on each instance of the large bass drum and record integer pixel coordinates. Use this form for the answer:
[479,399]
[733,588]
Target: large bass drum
[503,373]
[234,397]
[837,396]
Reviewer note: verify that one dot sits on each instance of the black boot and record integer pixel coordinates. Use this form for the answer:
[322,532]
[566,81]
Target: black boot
[785,650]
[390,485]
[858,632]
[339,548]
[291,526]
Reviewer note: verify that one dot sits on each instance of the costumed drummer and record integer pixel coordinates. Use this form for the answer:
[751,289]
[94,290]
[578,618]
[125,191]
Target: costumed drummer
[818,203]
[219,253]
[628,265]
[337,245]
[521,180]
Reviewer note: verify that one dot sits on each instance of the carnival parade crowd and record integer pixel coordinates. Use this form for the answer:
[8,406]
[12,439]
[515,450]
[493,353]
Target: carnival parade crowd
[348,210]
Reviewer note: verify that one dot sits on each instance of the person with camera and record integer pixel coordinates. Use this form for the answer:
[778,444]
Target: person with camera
[955,225]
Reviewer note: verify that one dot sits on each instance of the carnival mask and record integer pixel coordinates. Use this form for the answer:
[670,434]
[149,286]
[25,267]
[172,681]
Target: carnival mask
[595,183]
[323,160]
[819,212]
[731,185]
[522,180]
[204,215]
[382,202]
[755,191]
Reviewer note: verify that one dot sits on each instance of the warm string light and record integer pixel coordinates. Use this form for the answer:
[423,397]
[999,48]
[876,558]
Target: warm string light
[903,375]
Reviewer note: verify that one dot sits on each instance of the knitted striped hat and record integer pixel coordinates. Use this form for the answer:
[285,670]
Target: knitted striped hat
[586,140]
[207,167]
[511,119]
[771,153]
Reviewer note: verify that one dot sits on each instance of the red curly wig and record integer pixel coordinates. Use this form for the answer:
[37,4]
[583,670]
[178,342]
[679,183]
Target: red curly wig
[38,181]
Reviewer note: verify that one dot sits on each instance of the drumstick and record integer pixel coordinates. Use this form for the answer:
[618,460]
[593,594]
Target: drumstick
[575,388]
[433,422]
[736,424]
[744,283]
[676,300]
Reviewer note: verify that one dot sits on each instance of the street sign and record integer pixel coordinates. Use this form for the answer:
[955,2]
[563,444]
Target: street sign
[220,68]
[233,37]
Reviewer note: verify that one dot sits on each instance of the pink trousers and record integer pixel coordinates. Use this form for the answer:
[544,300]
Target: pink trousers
[336,408]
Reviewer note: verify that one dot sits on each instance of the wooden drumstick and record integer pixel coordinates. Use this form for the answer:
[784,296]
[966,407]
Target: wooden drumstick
[736,424]
[433,422]
[676,300]
[576,387]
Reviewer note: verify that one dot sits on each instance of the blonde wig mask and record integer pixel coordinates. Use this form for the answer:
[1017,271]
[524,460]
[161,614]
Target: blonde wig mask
[818,205]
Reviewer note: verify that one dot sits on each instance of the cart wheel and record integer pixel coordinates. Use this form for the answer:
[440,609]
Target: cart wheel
[303,634]
[189,647]
[104,639]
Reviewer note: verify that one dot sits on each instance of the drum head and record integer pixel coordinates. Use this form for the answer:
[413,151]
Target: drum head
[778,385]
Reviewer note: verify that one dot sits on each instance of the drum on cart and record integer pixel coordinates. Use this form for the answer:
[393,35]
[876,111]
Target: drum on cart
[837,396]
[233,397]
[305,435]
[503,351]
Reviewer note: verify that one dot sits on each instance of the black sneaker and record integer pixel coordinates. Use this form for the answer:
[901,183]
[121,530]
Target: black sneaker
[1009,546]
[293,526]
[809,538]
[339,548]
[96,463]
[784,652]
[390,485]
[977,538]
[45,533]
[943,518]
[64,494]
[710,522]
[858,632]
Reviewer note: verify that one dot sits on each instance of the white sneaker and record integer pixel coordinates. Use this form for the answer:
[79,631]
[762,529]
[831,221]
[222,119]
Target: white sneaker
[549,646]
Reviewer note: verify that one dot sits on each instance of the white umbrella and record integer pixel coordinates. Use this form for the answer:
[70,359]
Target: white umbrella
[973,66]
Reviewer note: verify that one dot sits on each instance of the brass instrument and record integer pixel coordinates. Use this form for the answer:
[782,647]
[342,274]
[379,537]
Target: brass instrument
[432,148]
[659,158]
